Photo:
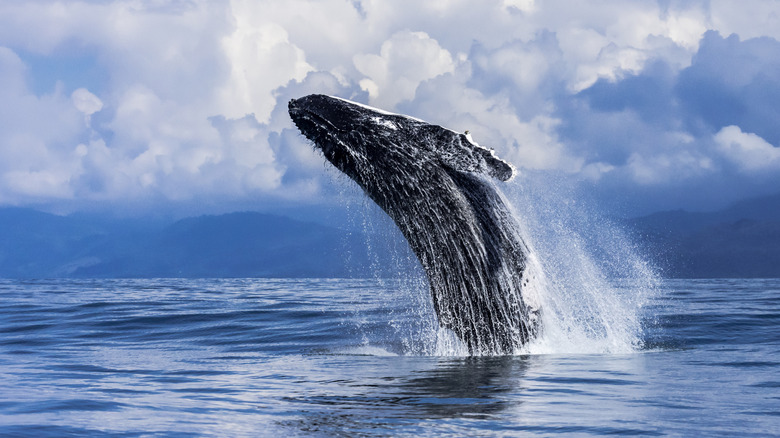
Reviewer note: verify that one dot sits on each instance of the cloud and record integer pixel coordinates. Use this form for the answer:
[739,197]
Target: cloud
[710,124]
[12,73]
[405,60]
[733,82]
[39,136]
[748,151]
[754,19]
[86,102]
[633,97]
[521,5]
[261,59]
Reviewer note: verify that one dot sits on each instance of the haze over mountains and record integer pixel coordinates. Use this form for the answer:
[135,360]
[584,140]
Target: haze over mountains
[246,244]
[740,241]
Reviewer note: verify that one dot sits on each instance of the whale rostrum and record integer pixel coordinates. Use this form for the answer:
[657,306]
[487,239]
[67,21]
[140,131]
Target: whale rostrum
[436,185]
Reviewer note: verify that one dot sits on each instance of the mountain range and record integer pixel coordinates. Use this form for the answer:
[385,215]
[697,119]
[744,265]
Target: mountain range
[740,241]
[245,244]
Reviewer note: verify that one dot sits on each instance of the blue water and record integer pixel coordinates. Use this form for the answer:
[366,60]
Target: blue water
[256,357]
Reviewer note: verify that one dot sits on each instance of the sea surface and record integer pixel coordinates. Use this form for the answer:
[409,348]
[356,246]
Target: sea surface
[291,357]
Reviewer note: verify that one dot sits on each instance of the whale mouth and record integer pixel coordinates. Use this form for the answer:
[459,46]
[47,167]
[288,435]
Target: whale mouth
[328,113]
[323,133]
[313,126]
[308,121]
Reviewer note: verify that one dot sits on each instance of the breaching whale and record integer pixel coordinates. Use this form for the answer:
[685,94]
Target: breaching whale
[435,185]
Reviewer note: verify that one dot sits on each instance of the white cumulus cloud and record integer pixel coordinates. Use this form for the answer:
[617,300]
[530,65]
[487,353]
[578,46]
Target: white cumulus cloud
[405,60]
[186,100]
[748,151]
[261,60]
[86,102]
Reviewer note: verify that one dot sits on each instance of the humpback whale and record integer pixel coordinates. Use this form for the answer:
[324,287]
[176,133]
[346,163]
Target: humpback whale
[436,184]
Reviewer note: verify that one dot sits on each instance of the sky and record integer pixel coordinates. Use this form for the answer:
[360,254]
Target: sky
[142,106]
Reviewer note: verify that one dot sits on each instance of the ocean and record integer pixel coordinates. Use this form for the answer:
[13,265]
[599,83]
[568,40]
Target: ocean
[343,357]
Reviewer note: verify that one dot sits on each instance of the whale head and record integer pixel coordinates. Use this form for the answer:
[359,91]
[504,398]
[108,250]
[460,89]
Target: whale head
[350,133]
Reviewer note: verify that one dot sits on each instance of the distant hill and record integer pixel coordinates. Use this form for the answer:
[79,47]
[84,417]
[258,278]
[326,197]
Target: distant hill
[248,244]
[35,244]
[742,240]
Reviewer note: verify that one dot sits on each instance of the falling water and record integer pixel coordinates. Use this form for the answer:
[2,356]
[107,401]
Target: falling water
[595,284]
[587,278]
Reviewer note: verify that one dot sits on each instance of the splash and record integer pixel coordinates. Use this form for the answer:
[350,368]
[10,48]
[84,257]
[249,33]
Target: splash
[584,273]
[593,283]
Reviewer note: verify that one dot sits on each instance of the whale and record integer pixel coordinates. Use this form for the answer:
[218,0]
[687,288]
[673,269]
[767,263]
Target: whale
[440,188]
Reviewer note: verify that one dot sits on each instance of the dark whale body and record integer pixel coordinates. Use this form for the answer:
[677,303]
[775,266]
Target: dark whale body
[435,184]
